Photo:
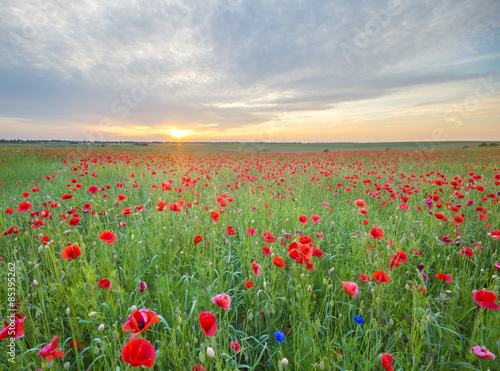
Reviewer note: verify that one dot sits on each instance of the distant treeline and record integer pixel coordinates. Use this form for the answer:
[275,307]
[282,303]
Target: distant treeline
[30,141]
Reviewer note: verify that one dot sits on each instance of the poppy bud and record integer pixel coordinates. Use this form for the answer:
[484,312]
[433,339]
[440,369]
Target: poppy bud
[92,314]
[66,365]
[35,283]
[101,327]
[201,356]
[40,248]
[284,361]
[420,267]
[322,365]
[67,311]
[210,352]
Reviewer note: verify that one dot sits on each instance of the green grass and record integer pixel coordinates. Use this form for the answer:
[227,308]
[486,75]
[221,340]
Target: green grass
[422,331]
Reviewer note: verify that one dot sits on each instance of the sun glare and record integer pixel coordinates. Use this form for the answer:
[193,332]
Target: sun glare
[178,133]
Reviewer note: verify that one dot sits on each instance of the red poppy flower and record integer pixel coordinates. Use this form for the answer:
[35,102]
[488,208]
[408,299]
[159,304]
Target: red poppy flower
[71,252]
[494,234]
[266,250]
[174,207]
[160,205]
[24,206]
[397,258]
[93,190]
[108,237]
[315,218]
[50,352]
[78,345]
[74,221]
[66,197]
[485,299]
[497,265]
[441,217]
[380,277]
[142,286]
[303,219]
[304,240]
[198,239]
[222,300]
[139,321]
[446,239]
[126,211]
[104,284]
[230,231]
[387,361]
[256,268]
[251,231]
[139,207]
[215,216]
[376,233]
[139,352]
[208,323]
[249,284]
[351,288]
[198,368]
[467,251]
[365,222]
[458,219]
[317,252]
[235,346]
[121,198]
[444,277]
[278,261]
[482,352]
[17,331]
[360,203]
[268,237]
[364,277]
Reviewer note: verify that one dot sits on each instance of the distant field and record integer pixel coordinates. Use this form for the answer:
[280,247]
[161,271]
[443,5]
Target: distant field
[259,147]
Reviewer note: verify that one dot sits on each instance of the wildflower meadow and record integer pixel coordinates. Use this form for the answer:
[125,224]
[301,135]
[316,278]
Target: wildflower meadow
[348,260]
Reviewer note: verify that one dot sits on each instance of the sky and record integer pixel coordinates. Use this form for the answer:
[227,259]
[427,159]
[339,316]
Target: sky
[250,70]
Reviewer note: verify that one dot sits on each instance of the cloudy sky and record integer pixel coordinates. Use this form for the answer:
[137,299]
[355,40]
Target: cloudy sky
[264,70]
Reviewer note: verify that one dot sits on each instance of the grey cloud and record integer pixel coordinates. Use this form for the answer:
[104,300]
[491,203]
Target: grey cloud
[81,57]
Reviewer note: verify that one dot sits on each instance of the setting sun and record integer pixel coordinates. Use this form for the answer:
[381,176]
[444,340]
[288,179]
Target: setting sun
[178,133]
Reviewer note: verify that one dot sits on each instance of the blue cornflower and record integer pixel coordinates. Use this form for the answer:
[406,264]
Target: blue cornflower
[359,319]
[279,336]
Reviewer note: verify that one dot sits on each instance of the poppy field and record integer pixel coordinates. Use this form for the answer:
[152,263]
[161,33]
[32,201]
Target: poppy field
[349,260]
